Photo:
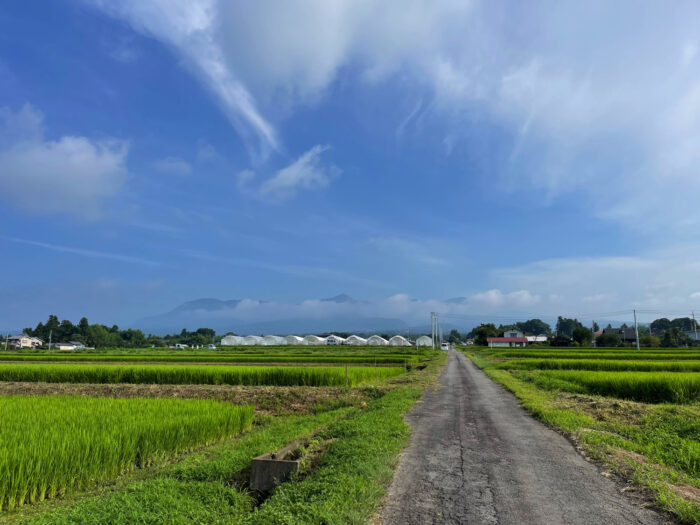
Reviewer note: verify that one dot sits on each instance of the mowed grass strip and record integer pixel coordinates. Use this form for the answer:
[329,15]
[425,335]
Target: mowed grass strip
[196,374]
[647,387]
[606,365]
[191,358]
[50,445]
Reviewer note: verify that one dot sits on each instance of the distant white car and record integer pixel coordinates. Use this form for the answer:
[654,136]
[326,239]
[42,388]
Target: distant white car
[180,345]
[211,347]
[445,346]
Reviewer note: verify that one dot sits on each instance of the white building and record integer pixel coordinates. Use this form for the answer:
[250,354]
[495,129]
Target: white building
[333,340]
[273,340]
[424,340]
[252,340]
[399,340]
[377,340]
[232,340]
[532,339]
[313,340]
[356,340]
[24,341]
[294,340]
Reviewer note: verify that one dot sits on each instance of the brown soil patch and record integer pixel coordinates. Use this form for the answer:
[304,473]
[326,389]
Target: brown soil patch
[274,400]
[604,409]
[686,492]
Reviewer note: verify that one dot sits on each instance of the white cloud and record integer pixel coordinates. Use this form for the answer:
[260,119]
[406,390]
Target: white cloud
[496,298]
[190,29]
[308,172]
[173,166]
[305,173]
[655,281]
[601,99]
[72,175]
[206,152]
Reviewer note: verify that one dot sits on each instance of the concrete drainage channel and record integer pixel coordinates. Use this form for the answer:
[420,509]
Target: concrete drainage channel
[295,461]
[269,470]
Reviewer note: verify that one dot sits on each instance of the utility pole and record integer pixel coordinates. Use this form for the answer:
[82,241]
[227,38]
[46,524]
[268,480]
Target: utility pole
[636,330]
[50,334]
[432,328]
[7,338]
[695,327]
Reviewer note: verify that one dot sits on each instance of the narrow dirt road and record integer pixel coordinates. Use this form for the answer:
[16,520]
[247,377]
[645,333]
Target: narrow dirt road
[476,456]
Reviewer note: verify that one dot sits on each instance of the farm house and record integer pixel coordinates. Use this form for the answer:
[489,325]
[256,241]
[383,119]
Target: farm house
[335,340]
[232,340]
[313,340]
[356,340]
[377,340]
[399,340]
[294,340]
[273,340]
[424,340]
[506,341]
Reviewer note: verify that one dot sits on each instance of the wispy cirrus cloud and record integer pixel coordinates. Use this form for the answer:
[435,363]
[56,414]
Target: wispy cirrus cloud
[83,252]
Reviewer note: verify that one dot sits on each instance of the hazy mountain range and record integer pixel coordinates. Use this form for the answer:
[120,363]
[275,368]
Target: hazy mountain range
[233,315]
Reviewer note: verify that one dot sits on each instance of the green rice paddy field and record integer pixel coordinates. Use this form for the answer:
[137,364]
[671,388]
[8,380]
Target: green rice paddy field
[72,455]
[638,412]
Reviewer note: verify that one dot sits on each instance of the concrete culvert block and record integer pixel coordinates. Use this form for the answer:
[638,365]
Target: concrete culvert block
[269,470]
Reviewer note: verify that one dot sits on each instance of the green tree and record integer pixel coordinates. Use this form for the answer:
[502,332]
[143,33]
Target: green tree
[561,340]
[484,331]
[583,336]
[595,326]
[608,340]
[83,326]
[454,337]
[567,326]
[659,326]
[534,327]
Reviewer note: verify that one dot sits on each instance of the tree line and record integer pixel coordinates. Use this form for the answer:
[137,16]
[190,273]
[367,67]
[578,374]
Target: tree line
[102,336]
[660,332]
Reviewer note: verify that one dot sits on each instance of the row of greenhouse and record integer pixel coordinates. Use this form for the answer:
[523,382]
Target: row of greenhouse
[315,340]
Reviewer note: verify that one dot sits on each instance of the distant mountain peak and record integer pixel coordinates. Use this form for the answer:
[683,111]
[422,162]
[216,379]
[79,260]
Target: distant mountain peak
[207,304]
[342,298]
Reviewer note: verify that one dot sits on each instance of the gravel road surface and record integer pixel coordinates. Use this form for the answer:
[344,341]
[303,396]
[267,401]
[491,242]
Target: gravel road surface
[476,456]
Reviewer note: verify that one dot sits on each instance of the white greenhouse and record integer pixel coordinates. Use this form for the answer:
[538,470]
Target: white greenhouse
[251,340]
[376,340]
[356,340]
[399,340]
[335,340]
[424,340]
[232,340]
[273,340]
[294,340]
[313,340]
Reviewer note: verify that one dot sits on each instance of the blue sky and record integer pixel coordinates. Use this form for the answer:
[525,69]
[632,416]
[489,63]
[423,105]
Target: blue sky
[538,158]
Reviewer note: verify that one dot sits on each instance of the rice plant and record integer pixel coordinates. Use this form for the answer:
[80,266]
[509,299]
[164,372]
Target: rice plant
[51,445]
[215,358]
[647,387]
[608,365]
[196,374]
